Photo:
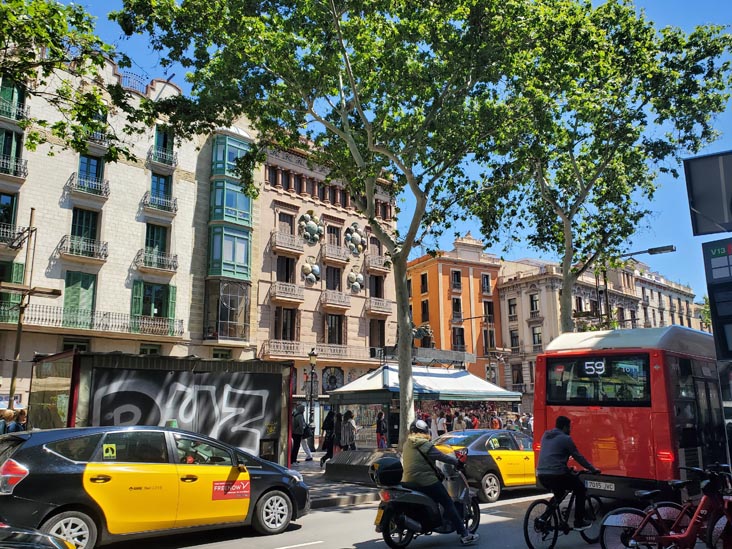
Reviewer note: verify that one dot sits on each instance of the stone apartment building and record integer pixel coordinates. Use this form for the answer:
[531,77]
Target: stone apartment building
[165,255]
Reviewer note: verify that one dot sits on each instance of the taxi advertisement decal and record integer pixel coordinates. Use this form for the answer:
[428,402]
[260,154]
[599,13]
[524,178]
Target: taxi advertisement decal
[227,489]
[109,451]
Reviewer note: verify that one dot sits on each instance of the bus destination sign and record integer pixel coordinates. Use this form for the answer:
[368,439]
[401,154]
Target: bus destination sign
[718,260]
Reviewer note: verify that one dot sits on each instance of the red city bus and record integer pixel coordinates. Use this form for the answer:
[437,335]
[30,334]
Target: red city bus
[642,403]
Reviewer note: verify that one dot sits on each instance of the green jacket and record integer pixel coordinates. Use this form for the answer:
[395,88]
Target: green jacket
[416,468]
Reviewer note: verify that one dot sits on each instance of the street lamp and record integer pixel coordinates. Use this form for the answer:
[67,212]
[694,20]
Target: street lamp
[313,356]
[652,251]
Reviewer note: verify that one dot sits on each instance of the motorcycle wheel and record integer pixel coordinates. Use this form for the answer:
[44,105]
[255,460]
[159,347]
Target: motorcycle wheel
[394,536]
[472,516]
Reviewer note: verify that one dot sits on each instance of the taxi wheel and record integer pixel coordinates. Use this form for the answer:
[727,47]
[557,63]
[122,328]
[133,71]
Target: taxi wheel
[272,514]
[490,488]
[73,526]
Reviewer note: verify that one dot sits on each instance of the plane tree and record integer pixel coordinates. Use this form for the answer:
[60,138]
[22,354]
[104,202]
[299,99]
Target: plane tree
[604,102]
[390,95]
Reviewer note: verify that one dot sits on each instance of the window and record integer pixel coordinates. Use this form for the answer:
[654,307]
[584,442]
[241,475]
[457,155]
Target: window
[511,307]
[83,226]
[81,345]
[485,283]
[423,283]
[10,272]
[425,310]
[322,192]
[150,349]
[91,170]
[286,324]
[517,374]
[79,294]
[7,214]
[163,151]
[376,286]
[536,335]
[226,151]
[488,311]
[502,441]
[578,305]
[594,307]
[221,354]
[335,329]
[76,449]
[229,254]
[333,194]
[374,246]
[458,339]
[272,175]
[489,339]
[533,302]
[285,269]
[409,287]
[514,336]
[154,299]
[597,379]
[133,447]
[227,310]
[192,451]
[456,280]
[229,203]
[377,332]
[153,308]
[11,151]
[457,308]
[286,223]
[12,99]
[334,235]
[333,278]
[156,240]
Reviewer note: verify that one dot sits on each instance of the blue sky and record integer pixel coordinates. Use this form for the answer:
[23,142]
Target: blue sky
[670,222]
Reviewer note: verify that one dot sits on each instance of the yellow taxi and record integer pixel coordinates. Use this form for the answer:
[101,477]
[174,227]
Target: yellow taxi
[97,485]
[498,459]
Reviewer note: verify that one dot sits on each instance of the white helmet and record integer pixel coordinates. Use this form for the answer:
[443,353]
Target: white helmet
[419,426]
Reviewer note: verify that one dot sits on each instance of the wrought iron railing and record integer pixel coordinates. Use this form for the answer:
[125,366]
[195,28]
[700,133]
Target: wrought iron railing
[90,319]
[100,138]
[88,184]
[287,241]
[15,111]
[134,82]
[334,297]
[286,290]
[11,165]
[155,259]
[10,233]
[83,247]
[335,252]
[162,156]
[160,202]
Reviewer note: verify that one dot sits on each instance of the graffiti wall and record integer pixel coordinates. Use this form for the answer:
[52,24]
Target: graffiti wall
[242,409]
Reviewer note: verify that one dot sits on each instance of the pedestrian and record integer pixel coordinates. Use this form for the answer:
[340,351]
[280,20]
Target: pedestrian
[459,423]
[476,421]
[441,424]
[298,429]
[531,423]
[6,416]
[381,430]
[307,434]
[19,423]
[348,431]
[433,426]
[327,428]
[448,420]
[337,433]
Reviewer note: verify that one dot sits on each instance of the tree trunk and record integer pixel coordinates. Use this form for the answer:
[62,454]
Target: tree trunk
[404,346]
[568,278]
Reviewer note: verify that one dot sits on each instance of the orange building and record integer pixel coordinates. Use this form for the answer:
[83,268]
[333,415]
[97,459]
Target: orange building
[454,293]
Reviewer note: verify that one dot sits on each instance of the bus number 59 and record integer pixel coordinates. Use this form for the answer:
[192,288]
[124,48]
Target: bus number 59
[592,368]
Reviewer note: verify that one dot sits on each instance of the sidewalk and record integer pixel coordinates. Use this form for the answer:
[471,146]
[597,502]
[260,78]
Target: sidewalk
[328,493]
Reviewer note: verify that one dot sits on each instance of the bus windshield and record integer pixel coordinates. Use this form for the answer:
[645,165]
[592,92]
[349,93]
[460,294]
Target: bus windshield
[612,380]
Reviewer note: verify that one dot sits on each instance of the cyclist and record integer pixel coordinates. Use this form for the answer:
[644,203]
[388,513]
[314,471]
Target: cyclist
[554,474]
[420,473]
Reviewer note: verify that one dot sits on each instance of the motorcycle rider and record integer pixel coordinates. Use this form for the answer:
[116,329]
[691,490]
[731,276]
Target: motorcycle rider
[554,474]
[418,457]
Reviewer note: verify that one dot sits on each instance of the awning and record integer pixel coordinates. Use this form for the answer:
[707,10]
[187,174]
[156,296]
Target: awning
[436,383]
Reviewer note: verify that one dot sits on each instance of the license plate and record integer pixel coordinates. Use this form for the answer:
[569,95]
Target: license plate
[597,485]
[379,514]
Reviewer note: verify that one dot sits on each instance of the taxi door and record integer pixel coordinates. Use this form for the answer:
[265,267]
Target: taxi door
[504,452]
[134,482]
[525,448]
[212,488]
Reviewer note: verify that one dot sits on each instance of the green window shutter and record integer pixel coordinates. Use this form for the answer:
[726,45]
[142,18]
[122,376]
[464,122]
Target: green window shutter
[171,308]
[138,287]
[18,272]
[73,290]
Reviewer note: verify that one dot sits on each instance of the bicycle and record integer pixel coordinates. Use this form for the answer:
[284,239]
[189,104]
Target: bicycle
[546,519]
[631,527]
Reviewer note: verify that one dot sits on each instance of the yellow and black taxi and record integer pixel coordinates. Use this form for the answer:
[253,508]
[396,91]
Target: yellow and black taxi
[498,459]
[96,485]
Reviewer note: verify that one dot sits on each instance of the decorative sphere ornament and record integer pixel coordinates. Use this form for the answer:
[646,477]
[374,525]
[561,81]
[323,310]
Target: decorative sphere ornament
[355,287]
[348,237]
[356,239]
[306,217]
[311,278]
[359,279]
[351,278]
[307,268]
[316,270]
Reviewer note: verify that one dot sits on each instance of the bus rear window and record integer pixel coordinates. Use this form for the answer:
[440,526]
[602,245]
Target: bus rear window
[614,380]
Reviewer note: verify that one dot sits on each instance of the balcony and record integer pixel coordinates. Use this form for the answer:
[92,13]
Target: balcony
[166,205]
[378,263]
[77,248]
[99,139]
[285,292]
[537,348]
[13,166]
[513,318]
[661,306]
[535,317]
[163,159]
[516,350]
[456,285]
[278,348]
[487,320]
[286,243]
[86,186]
[485,288]
[646,300]
[378,306]
[335,300]
[672,308]
[101,322]
[151,260]
[332,253]
[11,236]
[13,111]
[457,317]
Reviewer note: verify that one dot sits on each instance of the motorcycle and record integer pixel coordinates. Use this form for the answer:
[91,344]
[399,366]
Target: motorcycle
[405,513]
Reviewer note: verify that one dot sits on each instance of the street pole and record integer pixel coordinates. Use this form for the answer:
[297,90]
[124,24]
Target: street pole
[313,357]
[27,272]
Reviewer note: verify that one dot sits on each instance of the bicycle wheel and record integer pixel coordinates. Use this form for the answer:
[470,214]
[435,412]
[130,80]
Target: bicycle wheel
[540,525]
[716,525]
[593,513]
[669,511]
[620,526]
